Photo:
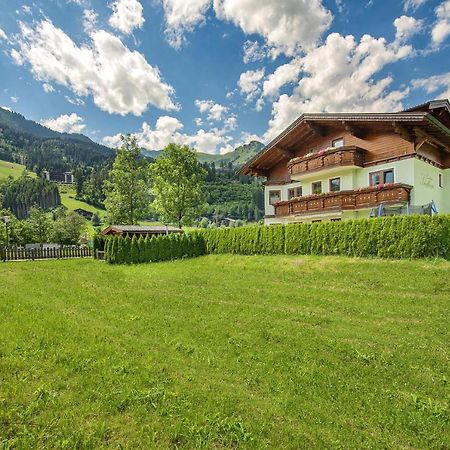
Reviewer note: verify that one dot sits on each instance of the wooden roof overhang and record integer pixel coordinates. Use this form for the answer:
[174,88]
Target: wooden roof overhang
[413,126]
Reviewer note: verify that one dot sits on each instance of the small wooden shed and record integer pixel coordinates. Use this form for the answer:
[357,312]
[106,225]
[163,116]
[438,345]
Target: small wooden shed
[137,230]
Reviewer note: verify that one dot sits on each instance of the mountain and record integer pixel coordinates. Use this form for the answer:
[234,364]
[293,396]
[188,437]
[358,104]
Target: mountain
[37,147]
[19,124]
[237,157]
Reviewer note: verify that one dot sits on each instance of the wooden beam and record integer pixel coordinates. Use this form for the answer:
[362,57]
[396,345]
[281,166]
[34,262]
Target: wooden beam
[258,171]
[287,154]
[420,132]
[403,132]
[354,131]
[316,129]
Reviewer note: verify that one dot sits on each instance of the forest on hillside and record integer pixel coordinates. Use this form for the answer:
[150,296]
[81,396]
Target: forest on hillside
[21,195]
[38,148]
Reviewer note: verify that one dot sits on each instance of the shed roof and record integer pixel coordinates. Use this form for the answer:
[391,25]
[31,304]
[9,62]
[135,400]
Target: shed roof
[141,229]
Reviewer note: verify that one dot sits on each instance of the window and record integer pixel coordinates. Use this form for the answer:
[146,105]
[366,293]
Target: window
[336,219]
[274,197]
[381,177]
[294,192]
[337,143]
[388,176]
[317,187]
[335,184]
[441,183]
[316,221]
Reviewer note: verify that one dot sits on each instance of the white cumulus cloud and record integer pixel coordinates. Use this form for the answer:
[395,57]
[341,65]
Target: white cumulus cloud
[127,15]
[406,27]
[284,74]
[169,129]
[436,84]
[120,81]
[250,83]
[48,88]
[181,17]
[214,111]
[253,52]
[441,28]
[412,4]
[286,25]
[90,18]
[345,83]
[66,123]
[3,35]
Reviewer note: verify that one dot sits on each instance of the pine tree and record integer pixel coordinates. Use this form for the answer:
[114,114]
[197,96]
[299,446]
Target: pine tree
[127,250]
[148,248]
[134,251]
[141,245]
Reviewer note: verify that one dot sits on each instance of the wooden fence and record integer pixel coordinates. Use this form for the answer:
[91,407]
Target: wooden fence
[16,254]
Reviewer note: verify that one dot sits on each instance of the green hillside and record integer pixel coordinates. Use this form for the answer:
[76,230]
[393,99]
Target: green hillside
[71,203]
[237,157]
[20,124]
[9,169]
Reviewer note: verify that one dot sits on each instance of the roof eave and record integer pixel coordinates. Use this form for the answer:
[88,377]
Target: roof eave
[418,116]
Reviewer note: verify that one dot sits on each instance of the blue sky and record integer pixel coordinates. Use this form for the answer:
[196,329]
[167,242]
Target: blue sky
[216,73]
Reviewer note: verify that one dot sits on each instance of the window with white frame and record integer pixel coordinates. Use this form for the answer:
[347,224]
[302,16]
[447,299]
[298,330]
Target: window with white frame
[316,187]
[339,142]
[294,192]
[274,197]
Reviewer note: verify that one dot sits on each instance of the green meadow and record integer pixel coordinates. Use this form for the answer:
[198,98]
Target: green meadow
[225,351]
[9,169]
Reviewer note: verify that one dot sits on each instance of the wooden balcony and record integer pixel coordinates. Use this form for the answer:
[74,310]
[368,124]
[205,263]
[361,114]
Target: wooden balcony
[345,200]
[339,157]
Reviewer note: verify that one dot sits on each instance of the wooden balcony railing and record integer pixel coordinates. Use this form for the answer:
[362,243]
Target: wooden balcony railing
[342,156]
[345,200]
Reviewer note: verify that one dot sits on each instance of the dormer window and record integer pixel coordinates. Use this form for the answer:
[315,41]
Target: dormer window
[339,142]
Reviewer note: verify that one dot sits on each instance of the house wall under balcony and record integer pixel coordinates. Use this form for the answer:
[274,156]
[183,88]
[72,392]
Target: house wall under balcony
[423,176]
[427,186]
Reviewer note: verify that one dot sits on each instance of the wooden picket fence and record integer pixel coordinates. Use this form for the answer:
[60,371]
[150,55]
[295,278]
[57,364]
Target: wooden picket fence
[17,254]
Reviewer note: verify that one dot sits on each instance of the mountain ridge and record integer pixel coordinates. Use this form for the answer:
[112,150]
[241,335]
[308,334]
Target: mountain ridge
[14,127]
[237,157]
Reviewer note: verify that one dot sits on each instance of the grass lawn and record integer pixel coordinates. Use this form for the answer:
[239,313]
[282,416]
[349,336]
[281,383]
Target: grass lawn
[11,169]
[225,352]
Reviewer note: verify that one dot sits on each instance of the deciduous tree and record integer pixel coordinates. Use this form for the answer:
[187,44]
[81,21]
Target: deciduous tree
[127,194]
[177,180]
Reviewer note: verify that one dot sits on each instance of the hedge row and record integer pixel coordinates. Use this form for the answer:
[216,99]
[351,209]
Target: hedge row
[388,237]
[120,250]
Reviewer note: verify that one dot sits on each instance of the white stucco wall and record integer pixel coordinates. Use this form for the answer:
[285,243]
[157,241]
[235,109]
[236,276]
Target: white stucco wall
[422,176]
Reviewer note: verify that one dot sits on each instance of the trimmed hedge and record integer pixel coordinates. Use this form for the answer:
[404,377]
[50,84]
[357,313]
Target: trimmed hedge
[120,250]
[387,237]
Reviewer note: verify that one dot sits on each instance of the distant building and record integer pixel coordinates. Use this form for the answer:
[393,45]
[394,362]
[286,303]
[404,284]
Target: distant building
[136,230]
[83,212]
[59,177]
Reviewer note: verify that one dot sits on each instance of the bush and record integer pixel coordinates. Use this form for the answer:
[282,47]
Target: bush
[156,248]
[388,237]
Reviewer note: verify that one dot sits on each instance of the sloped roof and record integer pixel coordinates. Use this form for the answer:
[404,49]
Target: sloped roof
[138,229]
[419,116]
